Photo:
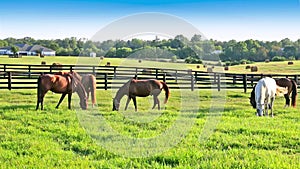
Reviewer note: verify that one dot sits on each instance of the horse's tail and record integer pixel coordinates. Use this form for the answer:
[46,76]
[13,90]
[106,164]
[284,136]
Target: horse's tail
[93,86]
[294,93]
[167,91]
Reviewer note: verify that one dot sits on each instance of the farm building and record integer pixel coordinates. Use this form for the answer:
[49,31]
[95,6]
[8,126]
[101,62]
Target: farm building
[28,50]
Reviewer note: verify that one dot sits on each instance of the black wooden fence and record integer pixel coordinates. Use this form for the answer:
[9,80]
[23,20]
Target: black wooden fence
[17,76]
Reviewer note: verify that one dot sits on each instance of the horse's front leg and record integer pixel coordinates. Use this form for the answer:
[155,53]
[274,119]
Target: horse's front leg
[134,102]
[287,100]
[266,106]
[154,101]
[127,102]
[61,99]
[69,100]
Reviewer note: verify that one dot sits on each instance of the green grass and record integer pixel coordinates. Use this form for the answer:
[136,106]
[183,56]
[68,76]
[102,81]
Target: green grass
[62,138]
[271,67]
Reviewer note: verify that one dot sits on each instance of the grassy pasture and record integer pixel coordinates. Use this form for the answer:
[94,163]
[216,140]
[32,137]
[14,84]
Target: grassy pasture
[57,138]
[62,138]
[271,67]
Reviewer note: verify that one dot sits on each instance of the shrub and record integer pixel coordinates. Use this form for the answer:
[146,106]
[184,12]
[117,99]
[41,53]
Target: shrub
[174,58]
[278,58]
[193,60]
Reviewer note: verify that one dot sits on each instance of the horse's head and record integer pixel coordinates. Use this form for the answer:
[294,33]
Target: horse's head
[116,105]
[84,103]
[252,98]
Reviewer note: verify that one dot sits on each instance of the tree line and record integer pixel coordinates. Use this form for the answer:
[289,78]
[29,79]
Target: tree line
[192,50]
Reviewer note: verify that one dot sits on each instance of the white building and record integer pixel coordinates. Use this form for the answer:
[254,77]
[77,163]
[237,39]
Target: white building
[27,50]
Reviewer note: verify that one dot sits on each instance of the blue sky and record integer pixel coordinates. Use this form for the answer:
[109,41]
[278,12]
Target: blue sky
[216,19]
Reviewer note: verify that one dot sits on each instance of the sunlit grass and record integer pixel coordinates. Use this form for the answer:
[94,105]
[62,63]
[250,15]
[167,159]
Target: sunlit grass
[60,137]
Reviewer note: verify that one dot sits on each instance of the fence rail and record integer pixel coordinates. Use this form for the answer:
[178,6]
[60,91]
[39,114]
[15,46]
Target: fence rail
[17,76]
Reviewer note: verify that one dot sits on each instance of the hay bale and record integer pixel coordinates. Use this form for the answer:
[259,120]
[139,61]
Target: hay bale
[290,63]
[198,66]
[204,66]
[140,61]
[248,67]
[226,68]
[254,69]
[101,57]
[267,60]
[43,63]
[107,64]
[209,69]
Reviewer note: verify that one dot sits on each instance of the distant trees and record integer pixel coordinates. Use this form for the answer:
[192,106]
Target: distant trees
[14,50]
[193,50]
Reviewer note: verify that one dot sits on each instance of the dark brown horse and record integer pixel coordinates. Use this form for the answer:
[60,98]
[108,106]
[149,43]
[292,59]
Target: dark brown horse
[291,88]
[65,84]
[88,81]
[141,88]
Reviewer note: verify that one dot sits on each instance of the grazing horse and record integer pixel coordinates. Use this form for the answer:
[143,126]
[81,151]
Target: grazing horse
[263,95]
[88,81]
[291,88]
[65,84]
[141,88]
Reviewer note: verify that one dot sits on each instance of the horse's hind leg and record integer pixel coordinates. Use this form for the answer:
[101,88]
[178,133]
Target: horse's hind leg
[287,100]
[271,105]
[40,99]
[61,99]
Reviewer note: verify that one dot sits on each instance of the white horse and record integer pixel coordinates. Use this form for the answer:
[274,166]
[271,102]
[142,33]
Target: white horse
[263,96]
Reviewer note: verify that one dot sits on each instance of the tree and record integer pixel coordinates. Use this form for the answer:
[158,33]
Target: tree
[14,50]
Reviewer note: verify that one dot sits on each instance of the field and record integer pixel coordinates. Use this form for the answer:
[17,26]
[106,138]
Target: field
[271,67]
[199,129]
[58,138]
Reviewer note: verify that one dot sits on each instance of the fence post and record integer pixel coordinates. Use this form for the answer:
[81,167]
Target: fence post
[71,68]
[296,79]
[215,78]
[192,82]
[4,70]
[245,83]
[219,82]
[115,71]
[196,77]
[105,81]
[94,72]
[9,80]
[156,73]
[176,76]
[164,77]
[29,71]
[234,79]
[51,68]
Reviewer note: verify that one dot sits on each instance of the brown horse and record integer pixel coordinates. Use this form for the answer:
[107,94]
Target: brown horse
[65,84]
[291,88]
[140,88]
[88,81]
